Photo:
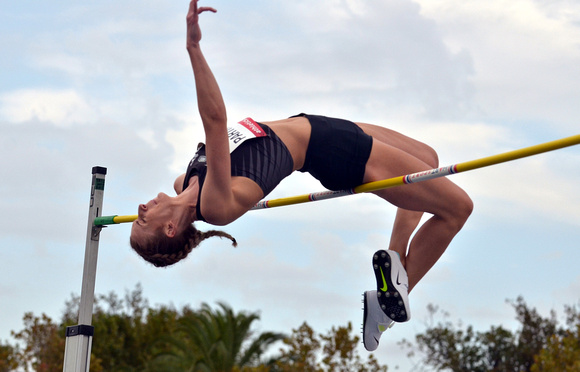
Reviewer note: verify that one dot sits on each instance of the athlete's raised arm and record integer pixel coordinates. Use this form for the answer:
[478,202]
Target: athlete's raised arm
[223,199]
[218,190]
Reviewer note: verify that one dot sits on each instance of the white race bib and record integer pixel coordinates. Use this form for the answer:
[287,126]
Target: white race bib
[242,131]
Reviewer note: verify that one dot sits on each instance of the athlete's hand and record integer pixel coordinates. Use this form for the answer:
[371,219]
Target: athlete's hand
[193,30]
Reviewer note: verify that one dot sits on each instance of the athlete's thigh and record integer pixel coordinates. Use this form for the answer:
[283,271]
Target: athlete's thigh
[393,138]
[437,196]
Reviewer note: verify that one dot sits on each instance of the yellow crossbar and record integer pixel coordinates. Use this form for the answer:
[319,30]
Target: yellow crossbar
[397,181]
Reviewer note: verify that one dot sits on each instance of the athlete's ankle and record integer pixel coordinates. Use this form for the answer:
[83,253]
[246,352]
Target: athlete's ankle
[402,257]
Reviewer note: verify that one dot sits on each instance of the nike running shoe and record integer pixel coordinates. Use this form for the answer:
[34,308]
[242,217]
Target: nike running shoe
[375,322]
[392,285]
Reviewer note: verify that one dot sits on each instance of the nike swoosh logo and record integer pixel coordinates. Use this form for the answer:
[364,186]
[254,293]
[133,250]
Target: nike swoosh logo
[385,287]
[398,282]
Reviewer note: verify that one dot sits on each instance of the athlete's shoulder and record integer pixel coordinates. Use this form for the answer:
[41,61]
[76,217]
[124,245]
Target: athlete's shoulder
[178,184]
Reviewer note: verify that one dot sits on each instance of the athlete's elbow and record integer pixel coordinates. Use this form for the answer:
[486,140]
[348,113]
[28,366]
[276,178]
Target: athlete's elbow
[219,215]
[214,115]
[218,219]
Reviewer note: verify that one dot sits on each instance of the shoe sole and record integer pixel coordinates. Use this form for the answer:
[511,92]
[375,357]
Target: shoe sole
[390,299]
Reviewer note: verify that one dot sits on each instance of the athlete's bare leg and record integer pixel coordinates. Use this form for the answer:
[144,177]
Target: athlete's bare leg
[405,221]
[405,224]
[394,155]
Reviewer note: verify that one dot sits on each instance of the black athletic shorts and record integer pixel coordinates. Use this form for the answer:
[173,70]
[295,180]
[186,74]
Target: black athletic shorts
[337,153]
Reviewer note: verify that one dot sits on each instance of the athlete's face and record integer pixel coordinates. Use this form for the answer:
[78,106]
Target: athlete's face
[152,216]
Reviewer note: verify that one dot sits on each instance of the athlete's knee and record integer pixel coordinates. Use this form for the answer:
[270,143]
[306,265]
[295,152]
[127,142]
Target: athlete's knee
[458,209]
[431,157]
[463,209]
[427,154]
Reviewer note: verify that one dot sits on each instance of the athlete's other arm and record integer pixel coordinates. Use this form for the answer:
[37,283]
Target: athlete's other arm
[217,191]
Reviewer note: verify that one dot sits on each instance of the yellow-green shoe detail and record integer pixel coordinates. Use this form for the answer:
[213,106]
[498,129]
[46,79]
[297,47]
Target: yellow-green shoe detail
[392,285]
[385,286]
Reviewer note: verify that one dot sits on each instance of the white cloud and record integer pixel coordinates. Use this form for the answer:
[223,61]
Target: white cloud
[60,107]
[380,59]
[526,191]
[525,56]
[184,145]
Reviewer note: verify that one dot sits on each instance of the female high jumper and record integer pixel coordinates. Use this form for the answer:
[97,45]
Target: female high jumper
[243,162]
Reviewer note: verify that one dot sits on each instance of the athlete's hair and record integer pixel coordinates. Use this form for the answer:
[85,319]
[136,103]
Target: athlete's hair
[165,251]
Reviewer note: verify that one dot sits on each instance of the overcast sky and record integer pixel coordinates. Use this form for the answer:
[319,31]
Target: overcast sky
[108,83]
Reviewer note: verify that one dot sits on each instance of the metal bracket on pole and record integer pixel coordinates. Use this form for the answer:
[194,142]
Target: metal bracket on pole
[96,232]
[77,353]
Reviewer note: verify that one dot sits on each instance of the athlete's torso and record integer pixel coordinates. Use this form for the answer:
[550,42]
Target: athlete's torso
[258,155]
[295,133]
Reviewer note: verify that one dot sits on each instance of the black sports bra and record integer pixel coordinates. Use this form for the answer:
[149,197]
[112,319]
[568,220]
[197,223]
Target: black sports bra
[265,160]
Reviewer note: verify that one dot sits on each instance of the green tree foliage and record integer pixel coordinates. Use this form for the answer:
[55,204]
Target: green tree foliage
[562,353]
[8,361]
[334,351]
[301,353]
[126,330]
[216,340]
[132,336]
[43,346]
[446,346]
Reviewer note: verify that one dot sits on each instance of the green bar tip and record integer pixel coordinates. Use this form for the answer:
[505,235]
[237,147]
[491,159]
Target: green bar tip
[104,220]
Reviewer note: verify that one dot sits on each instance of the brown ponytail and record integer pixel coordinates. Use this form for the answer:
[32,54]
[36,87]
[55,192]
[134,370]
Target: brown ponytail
[166,251]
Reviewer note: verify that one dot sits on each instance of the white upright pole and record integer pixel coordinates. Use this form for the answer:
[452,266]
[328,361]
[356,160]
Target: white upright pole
[77,353]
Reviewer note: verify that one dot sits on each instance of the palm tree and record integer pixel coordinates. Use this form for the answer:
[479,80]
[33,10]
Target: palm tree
[218,340]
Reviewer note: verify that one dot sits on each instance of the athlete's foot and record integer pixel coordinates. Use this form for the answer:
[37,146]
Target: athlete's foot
[375,322]
[392,285]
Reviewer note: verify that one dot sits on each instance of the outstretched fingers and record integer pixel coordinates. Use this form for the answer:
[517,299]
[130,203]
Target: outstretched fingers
[206,8]
[194,10]
[193,30]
